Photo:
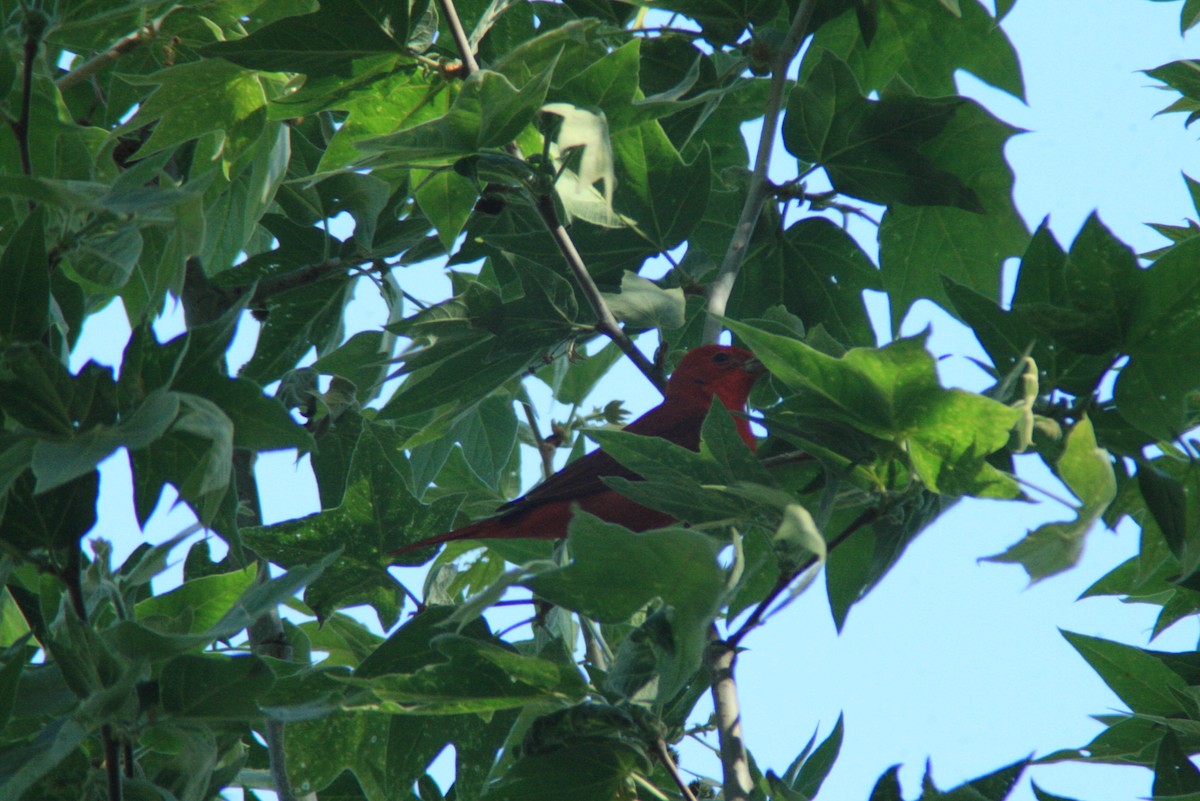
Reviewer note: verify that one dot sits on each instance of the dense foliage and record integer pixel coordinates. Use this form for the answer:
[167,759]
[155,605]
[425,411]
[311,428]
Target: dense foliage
[263,160]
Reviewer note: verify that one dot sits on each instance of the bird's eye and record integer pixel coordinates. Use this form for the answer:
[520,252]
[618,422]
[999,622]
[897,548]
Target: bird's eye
[720,357]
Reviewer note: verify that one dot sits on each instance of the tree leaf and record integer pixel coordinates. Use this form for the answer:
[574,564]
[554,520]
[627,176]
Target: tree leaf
[1087,471]
[323,43]
[873,149]
[209,687]
[923,43]
[25,302]
[1138,679]
[643,304]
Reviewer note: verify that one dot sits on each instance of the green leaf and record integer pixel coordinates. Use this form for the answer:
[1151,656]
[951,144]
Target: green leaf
[298,320]
[198,604]
[37,390]
[1042,795]
[893,393]
[55,462]
[586,771]
[387,753]
[489,112]
[966,247]
[214,688]
[25,302]
[477,676]
[923,43]
[995,786]
[106,260]
[50,520]
[572,382]
[1159,325]
[1189,16]
[812,772]
[873,149]
[1087,471]
[488,436]
[723,23]
[643,304]
[1165,499]
[1139,679]
[447,199]
[23,764]
[197,97]
[326,42]
[376,515]
[614,572]
[1174,774]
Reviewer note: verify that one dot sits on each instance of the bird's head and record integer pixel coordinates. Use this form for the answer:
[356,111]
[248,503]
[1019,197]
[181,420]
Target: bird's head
[721,370]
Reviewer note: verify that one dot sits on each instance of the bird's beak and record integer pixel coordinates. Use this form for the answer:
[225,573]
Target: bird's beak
[754,366]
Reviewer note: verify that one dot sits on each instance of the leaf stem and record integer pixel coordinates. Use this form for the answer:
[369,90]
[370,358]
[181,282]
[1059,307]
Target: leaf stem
[756,194]
[102,60]
[760,614]
[664,754]
[606,322]
[545,449]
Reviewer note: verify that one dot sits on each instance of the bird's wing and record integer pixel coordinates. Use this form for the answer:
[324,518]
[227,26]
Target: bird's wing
[584,476]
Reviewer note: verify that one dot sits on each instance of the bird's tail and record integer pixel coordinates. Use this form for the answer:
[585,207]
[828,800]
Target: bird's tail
[473,531]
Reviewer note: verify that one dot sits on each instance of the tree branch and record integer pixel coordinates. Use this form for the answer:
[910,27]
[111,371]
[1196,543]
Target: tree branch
[266,634]
[102,60]
[72,576]
[545,449]
[460,36]
[664,756]
[34,26]
[731,264]
[720,658]
[606,322]
[785,579]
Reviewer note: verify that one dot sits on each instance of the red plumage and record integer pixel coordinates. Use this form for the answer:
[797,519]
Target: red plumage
[722,371]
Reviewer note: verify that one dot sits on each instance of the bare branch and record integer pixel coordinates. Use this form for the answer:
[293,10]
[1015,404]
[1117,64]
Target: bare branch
[664,755]
[102,60]
[731,264]
[759,614]
[460,36]
[606,322]
[735,764]
[34,26]
[544,448]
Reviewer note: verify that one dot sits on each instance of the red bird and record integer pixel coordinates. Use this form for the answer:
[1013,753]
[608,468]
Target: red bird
[544,512]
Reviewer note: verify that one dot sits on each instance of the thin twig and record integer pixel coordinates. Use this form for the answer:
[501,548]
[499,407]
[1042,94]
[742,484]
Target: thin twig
[594,647]
[721,657]
[664,756]
[785,579]
[112,762]
[544,448]
[102,60]
[20,126]
[791,457]
[72,576]
[461,41]
[718,292]
[606,322]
